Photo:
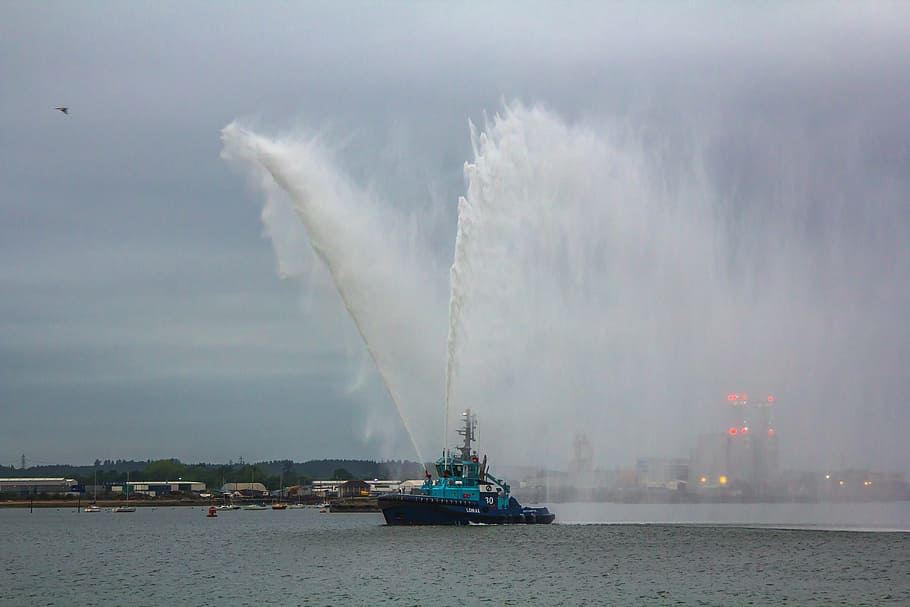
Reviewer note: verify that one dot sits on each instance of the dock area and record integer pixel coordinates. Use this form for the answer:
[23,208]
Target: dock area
[355,504]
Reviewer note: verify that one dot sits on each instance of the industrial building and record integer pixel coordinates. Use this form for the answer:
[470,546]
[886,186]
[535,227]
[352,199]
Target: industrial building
[36,486]
[354,488]
[743,460]
[245,489]
[158,488]
[581,476]
[655,473]
[336,488]
[708,463]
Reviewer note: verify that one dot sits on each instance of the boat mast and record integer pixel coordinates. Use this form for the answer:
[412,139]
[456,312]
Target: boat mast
[470,425]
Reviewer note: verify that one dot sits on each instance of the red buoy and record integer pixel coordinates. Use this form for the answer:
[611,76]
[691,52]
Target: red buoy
[212,513]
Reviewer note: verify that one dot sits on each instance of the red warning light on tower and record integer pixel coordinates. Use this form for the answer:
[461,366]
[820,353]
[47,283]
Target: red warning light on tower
[770,399]
[733,431]
[732,397]
[770,431]
[744,397]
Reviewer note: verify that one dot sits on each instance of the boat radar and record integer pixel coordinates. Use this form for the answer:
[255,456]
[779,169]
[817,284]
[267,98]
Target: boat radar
[464,492]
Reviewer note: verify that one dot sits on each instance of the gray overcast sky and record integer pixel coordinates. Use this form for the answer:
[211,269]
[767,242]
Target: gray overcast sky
[141,313]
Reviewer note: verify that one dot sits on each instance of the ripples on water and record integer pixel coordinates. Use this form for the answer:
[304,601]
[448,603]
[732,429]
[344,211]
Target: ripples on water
[176,556]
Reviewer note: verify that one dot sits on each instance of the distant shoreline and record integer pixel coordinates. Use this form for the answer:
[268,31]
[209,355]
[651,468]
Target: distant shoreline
[73,505]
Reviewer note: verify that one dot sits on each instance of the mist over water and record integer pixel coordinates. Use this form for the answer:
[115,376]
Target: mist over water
[618,279]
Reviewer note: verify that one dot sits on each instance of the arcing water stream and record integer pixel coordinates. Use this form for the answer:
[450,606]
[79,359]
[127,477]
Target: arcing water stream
[348,231]
[611,282]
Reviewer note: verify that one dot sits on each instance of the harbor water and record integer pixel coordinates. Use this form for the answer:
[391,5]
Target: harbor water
[595,554]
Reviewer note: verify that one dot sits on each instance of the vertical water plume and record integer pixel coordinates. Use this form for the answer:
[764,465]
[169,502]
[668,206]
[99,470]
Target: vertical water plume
[457,276]
[606,279]
[539,289]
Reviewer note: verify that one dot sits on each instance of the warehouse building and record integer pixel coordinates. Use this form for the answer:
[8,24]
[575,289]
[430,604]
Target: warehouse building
[34,486]
[245,489]
[159,488]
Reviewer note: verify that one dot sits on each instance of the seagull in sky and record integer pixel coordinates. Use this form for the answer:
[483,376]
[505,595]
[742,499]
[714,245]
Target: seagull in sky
[63,109]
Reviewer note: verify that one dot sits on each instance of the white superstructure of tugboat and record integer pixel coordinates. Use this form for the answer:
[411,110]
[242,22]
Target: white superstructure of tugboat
[464,492]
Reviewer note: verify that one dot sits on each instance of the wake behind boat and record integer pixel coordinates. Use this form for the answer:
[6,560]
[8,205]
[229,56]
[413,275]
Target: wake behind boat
[465,492]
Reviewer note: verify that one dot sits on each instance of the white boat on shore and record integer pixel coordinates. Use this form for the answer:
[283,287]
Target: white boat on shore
[94,507]
[126,507]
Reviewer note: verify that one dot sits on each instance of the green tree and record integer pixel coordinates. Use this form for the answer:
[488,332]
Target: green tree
[250,474]
[341,474]
[288,474]
[165,470]
[271,482]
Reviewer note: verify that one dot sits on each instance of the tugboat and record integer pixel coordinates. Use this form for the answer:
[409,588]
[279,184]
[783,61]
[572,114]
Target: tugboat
[464,493]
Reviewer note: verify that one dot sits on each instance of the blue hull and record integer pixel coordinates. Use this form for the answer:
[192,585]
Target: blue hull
[401,509]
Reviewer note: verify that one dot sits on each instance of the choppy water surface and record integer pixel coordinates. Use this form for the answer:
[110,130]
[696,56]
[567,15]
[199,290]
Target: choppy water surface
[176,556]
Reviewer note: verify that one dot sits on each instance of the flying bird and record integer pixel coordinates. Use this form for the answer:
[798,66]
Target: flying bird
[63,109]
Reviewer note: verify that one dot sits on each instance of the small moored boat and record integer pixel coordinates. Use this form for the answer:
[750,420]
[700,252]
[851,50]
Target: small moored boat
[126,507]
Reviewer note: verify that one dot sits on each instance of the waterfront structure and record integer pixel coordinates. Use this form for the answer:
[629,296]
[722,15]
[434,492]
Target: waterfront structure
[326,489]
[297,491]
[752,451]
[159,488]
[743,460]
[24,486]
[245,489]
[862,485]
[581,468]
[662,474]
[354,488]
[333,488]
[709,470]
